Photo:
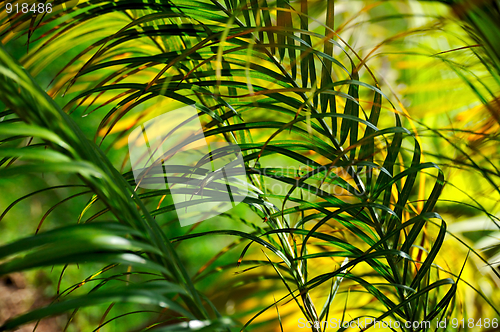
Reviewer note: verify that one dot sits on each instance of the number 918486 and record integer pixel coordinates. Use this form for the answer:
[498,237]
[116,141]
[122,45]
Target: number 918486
[35,8]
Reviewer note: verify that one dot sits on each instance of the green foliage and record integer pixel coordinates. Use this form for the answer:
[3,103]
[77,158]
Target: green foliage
[351,230]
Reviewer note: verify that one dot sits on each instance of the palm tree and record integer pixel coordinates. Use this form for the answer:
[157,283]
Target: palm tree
[340,203]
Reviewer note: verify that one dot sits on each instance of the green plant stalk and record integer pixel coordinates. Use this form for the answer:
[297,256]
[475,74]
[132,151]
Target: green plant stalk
[311,311]
[23,95]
